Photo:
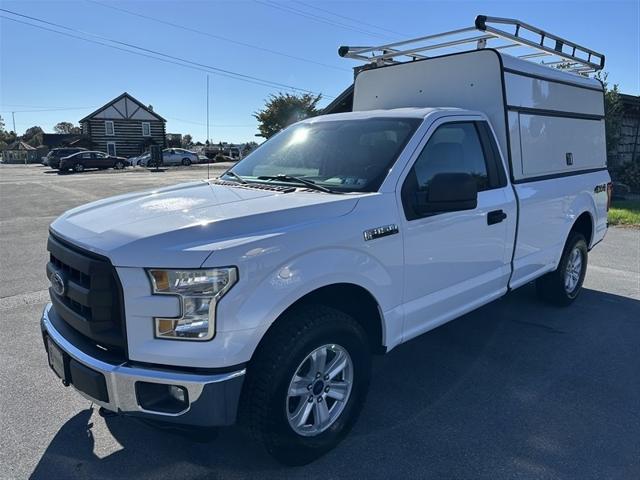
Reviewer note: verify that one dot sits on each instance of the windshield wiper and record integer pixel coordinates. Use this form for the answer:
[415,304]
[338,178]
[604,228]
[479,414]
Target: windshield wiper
[289,178]
[235,175]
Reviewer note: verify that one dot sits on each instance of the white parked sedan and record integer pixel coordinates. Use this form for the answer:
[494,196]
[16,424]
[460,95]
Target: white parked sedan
[178,156]
[170,157]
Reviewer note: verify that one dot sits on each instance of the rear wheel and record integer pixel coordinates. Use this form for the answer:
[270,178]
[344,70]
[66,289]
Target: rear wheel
[78,168]
[186,162]
[306,384]
[562,286]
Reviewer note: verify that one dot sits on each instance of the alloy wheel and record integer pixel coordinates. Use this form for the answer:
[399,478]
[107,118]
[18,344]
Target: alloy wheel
[319,390]
[573,271]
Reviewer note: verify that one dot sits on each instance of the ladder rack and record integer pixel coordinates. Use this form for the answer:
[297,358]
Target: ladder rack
[530,42]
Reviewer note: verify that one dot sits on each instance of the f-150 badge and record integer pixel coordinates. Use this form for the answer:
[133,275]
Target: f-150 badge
[379,232]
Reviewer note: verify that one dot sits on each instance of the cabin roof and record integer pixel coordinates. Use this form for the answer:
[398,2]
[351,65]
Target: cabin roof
[20,145]
[124,107]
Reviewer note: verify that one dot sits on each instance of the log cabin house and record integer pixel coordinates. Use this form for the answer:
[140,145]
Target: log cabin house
[124,127]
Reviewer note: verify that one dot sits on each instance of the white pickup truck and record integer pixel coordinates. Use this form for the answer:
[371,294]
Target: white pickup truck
[261,296]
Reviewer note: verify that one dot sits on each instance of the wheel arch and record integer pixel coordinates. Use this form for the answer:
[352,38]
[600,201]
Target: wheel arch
[350,298]
[584,224]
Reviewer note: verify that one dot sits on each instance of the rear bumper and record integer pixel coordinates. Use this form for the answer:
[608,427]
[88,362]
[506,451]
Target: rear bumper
[212,399]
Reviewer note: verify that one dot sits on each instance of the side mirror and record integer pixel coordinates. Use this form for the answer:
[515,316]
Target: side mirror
[448,192]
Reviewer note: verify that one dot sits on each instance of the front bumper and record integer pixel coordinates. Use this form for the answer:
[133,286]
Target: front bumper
[212,398]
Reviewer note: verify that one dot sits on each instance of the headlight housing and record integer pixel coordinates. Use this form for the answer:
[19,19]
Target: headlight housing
[198,291]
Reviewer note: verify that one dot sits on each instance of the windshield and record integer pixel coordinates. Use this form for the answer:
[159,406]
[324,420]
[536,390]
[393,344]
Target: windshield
[342,155]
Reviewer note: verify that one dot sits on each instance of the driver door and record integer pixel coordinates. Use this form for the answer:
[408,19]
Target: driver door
[455,260]
[100,160]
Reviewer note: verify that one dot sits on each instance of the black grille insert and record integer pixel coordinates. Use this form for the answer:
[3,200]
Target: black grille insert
[91,301]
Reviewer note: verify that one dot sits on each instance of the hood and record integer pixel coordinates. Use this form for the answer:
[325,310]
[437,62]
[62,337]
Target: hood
[179,226]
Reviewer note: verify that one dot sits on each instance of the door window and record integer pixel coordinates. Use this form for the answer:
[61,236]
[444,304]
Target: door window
[111,148]
[453,148]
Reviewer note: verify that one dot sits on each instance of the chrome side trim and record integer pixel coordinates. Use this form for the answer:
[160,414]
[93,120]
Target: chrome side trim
[121,379]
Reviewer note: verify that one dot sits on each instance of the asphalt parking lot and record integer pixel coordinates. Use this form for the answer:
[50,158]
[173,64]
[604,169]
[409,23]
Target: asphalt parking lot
[515,389]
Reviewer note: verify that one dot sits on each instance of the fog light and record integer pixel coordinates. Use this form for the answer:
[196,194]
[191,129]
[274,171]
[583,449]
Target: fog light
[179,393]
[158,397]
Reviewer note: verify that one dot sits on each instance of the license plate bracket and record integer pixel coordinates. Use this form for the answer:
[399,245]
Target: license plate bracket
[57,360]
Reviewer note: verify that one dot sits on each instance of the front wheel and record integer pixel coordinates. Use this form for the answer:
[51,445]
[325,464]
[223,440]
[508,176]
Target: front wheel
[307,383]
[562,286]
[186,162]
[78,168]
[119,165]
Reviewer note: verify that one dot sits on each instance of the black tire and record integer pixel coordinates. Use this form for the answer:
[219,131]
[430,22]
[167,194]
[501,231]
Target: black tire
[186,162]
[78,168]
[119,165]
[264,398]
[551,287]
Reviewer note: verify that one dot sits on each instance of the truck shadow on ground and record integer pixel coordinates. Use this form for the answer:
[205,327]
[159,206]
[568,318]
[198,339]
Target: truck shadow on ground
[508,390]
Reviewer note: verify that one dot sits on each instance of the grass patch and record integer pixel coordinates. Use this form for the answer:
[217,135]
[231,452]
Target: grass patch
[625,212]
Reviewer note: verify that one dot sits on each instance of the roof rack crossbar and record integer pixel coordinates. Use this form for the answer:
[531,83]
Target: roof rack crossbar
[451,43]
[577,58]
[361,50]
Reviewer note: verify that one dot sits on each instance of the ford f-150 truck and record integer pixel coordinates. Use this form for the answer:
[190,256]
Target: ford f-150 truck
[260,296]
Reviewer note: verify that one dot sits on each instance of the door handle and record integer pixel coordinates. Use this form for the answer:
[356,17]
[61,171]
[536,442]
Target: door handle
[495,216]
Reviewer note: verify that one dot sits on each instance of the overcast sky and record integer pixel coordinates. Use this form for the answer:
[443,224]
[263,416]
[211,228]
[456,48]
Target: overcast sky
[286,44]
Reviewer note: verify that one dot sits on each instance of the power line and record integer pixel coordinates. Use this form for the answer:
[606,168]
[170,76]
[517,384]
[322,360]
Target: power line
[31,106]
[217,37]
[53,109]
[317,18]
[355,20]
[132,51]
[171,58]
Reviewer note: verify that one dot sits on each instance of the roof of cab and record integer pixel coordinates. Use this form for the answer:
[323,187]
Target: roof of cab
[405,112]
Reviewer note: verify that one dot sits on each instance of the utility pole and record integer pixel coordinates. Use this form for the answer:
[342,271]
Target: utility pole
[13,115]
[208,142]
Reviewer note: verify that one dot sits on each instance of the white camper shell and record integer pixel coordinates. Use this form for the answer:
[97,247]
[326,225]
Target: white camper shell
[547,121]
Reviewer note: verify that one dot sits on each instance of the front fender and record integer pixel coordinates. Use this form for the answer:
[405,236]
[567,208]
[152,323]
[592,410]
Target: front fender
[300,275]
[256,307]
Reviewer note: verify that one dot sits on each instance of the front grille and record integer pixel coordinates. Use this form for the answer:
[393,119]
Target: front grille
[91,300]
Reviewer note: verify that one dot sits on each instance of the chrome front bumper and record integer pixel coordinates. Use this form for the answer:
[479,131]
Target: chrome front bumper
[212,399]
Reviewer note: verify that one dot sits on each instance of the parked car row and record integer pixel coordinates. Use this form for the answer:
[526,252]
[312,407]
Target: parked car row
[78,159]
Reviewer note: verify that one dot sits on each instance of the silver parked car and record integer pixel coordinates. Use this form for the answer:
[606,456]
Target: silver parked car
[178,156]
[170,157]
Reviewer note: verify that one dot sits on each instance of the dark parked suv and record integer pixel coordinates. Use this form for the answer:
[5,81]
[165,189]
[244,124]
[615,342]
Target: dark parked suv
[54,156]
[80,161]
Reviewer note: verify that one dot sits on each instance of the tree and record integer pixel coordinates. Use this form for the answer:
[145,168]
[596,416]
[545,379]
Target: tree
[283,109]
[33,136]
[6,137]
[66,127]
[187,141]
[248,147]
[613,112]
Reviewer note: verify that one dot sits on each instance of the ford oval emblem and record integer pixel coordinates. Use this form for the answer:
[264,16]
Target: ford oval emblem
[57,283]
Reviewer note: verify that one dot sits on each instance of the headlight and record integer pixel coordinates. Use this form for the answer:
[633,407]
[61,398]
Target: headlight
[198,291]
